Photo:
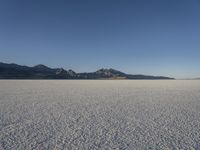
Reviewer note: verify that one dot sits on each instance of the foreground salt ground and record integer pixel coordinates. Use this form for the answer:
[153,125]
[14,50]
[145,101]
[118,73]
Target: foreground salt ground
[101,114]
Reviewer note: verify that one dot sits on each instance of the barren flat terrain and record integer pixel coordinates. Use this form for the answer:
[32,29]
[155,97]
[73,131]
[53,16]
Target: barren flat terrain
[99,114]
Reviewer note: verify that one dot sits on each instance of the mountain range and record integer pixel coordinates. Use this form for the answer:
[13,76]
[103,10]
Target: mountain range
[15,71]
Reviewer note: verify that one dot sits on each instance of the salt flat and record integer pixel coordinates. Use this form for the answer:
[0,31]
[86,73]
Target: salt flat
[99,114]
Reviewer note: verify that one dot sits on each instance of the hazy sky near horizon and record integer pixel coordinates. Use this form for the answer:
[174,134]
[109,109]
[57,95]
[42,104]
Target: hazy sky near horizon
[156,37]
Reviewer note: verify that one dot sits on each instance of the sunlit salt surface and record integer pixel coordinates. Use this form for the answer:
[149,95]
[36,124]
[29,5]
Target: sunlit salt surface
[99,114]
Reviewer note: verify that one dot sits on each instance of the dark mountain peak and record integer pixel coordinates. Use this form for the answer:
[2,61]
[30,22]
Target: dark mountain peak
[102,70]
[110,71]
[10,65]
[41,66]
[114,71]
[106,70]
[71,72]
[61,71]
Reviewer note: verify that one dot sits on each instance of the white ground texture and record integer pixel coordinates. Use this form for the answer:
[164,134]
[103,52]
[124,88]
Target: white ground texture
[101,114]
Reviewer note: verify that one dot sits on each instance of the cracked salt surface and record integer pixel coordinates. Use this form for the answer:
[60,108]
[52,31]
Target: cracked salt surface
[99,114]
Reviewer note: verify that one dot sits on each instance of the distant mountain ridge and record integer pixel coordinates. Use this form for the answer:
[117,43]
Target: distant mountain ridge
[15,71]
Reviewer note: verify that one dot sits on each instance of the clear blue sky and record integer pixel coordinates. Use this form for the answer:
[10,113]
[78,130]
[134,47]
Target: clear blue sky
[156,37]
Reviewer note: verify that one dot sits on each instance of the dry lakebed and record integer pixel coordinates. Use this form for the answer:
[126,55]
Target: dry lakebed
[99,114]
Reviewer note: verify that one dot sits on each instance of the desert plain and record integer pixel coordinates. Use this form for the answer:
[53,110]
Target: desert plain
[99,114]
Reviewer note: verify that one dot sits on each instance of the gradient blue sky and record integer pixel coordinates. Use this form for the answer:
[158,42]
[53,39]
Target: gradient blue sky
[156,37]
